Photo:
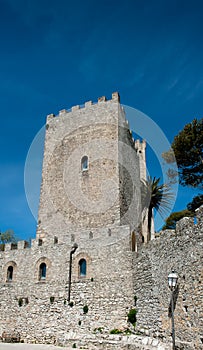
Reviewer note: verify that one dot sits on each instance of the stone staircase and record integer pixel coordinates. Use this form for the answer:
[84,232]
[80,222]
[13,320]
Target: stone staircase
[112,342]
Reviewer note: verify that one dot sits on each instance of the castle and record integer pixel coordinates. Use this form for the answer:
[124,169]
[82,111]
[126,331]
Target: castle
[87,267]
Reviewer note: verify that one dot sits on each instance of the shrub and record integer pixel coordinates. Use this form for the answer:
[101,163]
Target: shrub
[2,247]
[132,316]
[71,304]
[116,331]
[98,330]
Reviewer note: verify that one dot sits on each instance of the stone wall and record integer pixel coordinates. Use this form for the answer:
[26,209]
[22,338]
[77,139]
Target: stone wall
[129,175]
[38,309]
[181,250]
[72,198]
[98,209]
[40,312]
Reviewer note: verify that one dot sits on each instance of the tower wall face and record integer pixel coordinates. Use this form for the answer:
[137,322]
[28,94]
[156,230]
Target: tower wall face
[73,198]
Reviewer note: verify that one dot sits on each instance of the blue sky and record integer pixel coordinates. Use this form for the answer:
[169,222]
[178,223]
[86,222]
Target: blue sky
[58,54]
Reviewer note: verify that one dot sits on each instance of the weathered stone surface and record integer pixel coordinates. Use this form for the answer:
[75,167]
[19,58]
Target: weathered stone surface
[182,251]
[37,308]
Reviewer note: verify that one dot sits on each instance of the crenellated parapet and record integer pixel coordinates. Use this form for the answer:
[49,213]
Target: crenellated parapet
[20,245]
[102,99]
[96,236]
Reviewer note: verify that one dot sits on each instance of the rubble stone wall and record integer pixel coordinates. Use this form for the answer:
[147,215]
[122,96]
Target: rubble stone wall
[39,310]
[181,250]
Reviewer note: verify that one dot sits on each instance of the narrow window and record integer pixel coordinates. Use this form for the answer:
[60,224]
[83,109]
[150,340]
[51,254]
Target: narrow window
[42,271]
[10,274]
[40,242]
[82,267]
[84,163]
[133,242]
[14,246]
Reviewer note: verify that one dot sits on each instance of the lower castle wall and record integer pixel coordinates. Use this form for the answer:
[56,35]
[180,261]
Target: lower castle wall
[107,289]
[115,275]
[181,250]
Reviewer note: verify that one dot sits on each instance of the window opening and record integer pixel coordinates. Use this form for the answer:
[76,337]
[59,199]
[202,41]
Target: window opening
[14,246]
[133,242]
[42,271]
[10,274]
[82,267]
[84,163]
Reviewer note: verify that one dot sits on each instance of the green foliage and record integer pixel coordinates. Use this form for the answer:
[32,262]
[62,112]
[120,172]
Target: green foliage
[85,309]
[98,330]
[74,346]
[170,222]
[2,247]
[116,331]
[196,203]
[188,150]
[154,196]
[71,304]
[132,316]
[8,237]
[127,331]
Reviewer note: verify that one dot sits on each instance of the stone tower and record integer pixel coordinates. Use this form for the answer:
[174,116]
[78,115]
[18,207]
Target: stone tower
[91,175]
[84,256]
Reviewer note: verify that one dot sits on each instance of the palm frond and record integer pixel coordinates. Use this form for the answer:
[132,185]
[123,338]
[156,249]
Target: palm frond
[155,195]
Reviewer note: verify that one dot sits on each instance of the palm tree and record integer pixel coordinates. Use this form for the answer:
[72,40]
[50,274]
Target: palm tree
[154,196]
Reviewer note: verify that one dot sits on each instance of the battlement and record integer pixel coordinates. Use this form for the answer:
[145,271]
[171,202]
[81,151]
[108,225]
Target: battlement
[20,245]
[102,99]
[102,236]
[140,145]
[109,235]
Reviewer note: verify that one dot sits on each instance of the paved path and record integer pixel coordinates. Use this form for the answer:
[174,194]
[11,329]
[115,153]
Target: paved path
[19,346]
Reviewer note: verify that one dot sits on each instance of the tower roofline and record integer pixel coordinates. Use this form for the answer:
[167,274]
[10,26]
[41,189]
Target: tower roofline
[115,97]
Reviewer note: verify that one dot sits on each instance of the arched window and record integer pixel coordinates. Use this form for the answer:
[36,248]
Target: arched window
[84,163]
[82,268]
[10,273]
[42,271]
